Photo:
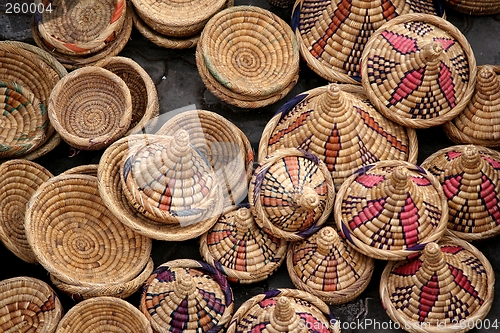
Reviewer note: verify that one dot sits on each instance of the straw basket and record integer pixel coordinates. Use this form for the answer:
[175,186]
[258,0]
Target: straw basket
[28,305]
[227,148]
[248,57]
[284,310]
[145,104]
[78,240]
[189,295]
[418,70]
[474,7]
[332,34]
[85,169]
[291,194]
[19,179]
[470,177]
[448,288]
[104,315]
[90,108]
[477,123]
[338,124]
[325,265]
[241,250]
[389,210]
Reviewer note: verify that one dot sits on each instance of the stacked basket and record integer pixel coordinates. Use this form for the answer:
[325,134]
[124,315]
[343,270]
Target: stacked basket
[474,7]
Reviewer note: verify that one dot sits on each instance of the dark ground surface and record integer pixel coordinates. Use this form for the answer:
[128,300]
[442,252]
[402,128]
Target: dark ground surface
[180,87]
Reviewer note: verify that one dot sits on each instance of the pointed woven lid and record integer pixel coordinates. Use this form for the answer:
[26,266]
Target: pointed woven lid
[328,267]
[391,209]
[240,249]
[187,295]
[418,70]
[478,122]
[338,124]
[169,181]
[283,310]
[291,194]
[333,34]
[469,176]
[450,282]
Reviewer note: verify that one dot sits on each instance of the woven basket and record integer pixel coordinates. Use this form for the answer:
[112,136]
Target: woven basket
[325,265]
[448,288]
[244,64]
[332,34]
[284,310]
[187,295]
[28,305]
[85,169]
[77,239]
[470,177]
[104,315]
[19,179]
[389,210]
[291,194]
[90,108]
[474,7]
[241,250]
[418,70]
[78,27]
[112,192]
[338,124]
[227,148]
[477,123]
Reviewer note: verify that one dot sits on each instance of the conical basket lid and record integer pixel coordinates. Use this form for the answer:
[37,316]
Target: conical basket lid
[240,249]
[390,210]
[291,194]
[418,70]
[342,128]
[187,295]
[450,282]
[469,176]
[333,34]
[327,266]
[478,122]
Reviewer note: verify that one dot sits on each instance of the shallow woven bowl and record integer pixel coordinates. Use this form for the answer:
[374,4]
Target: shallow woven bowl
[104,315]
[474,7]
[28,305]
[76,238]
[90,108]
[188,295]
[19,179]
[390,210]
[77,27]
[450,287]
[418,70]
[248,56]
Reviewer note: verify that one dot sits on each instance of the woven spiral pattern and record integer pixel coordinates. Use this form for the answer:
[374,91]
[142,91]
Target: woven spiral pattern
[332,34]
[418,70]
[227,148]
[325,265]
[19,179]
[469,176]
[103,315]
[474,7]
[338,124]
[187,295]
[77,239]
[390,209]
[248,54]
[450,285]
[28,305]
[80,26]
[90,108]
[241,250]
[283,310]
[291,194]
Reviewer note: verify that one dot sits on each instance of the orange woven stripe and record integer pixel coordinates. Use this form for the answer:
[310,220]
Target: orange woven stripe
[118,11]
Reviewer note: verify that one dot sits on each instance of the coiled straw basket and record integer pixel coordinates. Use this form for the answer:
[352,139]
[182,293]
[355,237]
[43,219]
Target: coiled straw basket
[474,7]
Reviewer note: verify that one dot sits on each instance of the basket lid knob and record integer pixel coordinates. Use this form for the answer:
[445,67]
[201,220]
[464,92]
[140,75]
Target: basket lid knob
[487,86]
[244,221]
[470,160]
[283,318]
[327,240]
[306,198]
[184,286]
[431,52]
[434,267]
[399,182]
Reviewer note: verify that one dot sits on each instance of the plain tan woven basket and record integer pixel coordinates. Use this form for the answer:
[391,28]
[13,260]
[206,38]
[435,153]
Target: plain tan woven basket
[90,108]
[28,305]
[474,7]
[418,70]
[450,287]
